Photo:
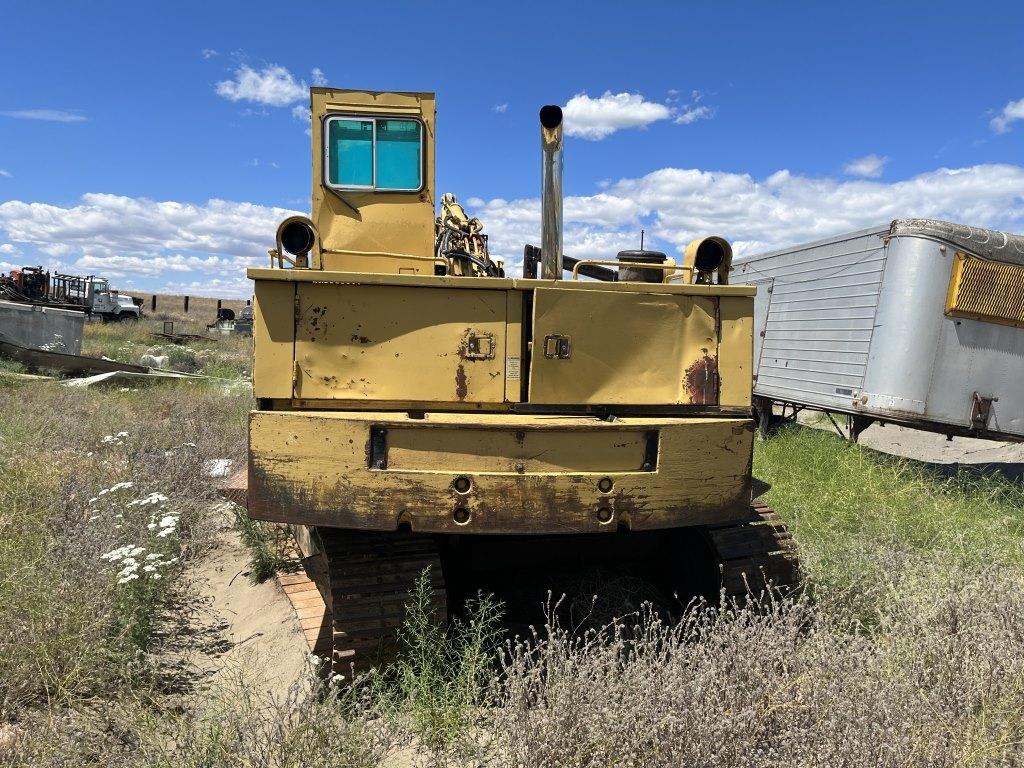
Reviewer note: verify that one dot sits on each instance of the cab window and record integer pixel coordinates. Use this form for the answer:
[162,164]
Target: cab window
[383,154]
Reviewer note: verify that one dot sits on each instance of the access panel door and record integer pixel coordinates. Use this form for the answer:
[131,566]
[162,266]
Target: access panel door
[399,344]
[623,348]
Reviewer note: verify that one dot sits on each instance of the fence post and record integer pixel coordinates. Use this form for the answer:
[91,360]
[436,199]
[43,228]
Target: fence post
[186,305]
[153,303]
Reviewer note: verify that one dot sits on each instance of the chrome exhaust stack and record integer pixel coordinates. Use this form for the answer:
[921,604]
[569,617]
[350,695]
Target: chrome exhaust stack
[551,192]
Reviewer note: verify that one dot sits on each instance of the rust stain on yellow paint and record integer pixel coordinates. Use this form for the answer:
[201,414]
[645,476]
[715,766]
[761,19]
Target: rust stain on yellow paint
[461,384]
[701,380]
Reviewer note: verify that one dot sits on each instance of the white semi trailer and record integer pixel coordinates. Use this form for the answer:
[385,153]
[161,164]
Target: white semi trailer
[916,322]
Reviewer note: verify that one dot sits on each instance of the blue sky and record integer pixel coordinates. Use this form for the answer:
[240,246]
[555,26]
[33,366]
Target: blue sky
[160,144]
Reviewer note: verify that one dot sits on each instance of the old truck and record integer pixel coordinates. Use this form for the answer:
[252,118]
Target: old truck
[416,408]
[96,296]
[90,294]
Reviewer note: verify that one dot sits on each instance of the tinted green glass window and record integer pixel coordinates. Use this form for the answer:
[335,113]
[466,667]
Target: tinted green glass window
[350,153]
[398,154]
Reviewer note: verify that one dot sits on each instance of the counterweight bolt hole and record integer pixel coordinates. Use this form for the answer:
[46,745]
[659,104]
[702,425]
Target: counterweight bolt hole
[461,515]
[604,514]
[462,484]
[605,484]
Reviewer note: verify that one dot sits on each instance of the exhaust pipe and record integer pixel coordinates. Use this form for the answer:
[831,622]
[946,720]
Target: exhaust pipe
[551,192]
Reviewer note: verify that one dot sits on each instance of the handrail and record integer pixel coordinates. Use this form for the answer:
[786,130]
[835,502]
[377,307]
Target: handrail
[280,257]
[387,254]
[275,254]
[684,271]
[664,266]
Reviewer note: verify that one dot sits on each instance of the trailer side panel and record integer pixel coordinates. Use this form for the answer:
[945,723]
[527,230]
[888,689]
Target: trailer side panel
[815,333]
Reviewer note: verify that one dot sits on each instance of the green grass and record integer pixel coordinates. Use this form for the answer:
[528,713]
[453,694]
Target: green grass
[443,673]
[69,627]
[846,503]
[224,357]
[267,544]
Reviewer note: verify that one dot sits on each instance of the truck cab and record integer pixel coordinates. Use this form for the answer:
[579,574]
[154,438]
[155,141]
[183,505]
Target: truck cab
[111,304]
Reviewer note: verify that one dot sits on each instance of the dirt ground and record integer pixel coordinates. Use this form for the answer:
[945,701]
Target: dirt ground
[933,448]
[249,628]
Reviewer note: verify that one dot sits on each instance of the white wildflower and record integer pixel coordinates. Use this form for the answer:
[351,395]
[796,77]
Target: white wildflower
[151,527]
[149,568]
[117,554]
[153,556]
[129,577]
[153,498]
[116,486]
[315,660]
[128,572]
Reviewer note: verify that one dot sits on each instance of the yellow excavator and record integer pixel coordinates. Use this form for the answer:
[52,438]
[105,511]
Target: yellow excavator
[417,407]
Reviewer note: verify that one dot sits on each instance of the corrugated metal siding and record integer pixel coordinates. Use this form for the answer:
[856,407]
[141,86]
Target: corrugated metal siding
[820,316]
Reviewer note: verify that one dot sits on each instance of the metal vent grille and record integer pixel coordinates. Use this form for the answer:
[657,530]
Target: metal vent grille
[986,290]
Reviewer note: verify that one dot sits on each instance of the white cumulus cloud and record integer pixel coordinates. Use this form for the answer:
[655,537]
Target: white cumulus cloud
[595,119]
[693,114]
[49,115]
[273,85]
[501,107]
[867,167]
[204,248]
[137,237]
[5,173]
[675,205]
[1012,112]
